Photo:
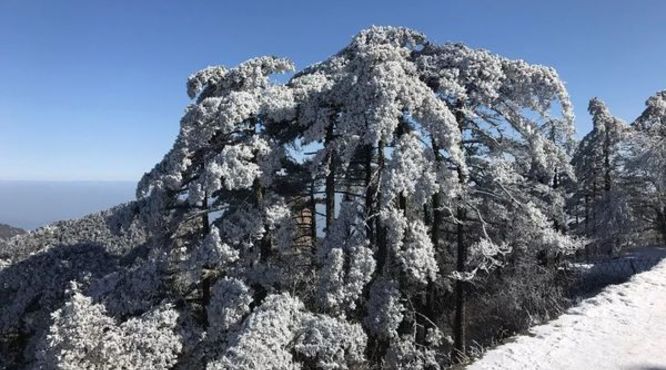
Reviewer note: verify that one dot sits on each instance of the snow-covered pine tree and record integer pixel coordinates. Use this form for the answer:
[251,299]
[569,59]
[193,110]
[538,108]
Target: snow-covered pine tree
[599,203]
[515,153]
[422,153]
[374,112]
[215,197]
[646,167]
[224,201]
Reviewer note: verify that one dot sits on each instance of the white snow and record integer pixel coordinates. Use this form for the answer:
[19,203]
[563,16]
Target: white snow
[623,327]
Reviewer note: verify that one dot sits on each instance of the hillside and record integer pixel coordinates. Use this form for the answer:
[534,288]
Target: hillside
[7,231]
[106,246]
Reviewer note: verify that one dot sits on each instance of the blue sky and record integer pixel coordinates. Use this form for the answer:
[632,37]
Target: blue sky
[94,90]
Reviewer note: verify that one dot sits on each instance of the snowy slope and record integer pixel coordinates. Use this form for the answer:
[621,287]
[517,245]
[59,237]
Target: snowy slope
[623,327]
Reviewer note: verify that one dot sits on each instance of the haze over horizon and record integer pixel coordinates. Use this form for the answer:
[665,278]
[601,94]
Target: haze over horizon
[31,204]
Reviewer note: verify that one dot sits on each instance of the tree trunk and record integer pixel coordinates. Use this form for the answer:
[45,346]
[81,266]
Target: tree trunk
[661,223]
[402,201]
[459,340]
[382,249]
[556,184]
[594,207]
[370,197]
[330,179]
[313,215]
[205,297]
[435,236]
[587,214]
[436,205]
[265,244]
[607,166]
[377,347]
[204,218]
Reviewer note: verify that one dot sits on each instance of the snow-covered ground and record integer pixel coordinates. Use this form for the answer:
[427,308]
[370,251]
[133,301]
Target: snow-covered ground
[623,327]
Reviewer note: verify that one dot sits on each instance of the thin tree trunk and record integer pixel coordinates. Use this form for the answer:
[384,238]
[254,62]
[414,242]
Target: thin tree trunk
[437,218]
[382,249]
[313,215]
[330,179]
[459,329]
[370,197]
[402,129]
[607,166]
[661,223]
[265,244]
[435,234]
[204,217]
[594,207]
[459,340]
[587,214]
[205,297]
[427,217]
[206,278]
[556,184]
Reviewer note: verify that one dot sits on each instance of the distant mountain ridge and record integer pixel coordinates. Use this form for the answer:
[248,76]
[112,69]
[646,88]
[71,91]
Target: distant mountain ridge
[7,231]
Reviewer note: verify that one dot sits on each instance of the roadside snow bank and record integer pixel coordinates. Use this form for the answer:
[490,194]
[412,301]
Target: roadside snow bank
[623,327]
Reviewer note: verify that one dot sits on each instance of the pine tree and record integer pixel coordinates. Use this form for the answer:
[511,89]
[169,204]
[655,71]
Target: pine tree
[646,166]
[598,164]
[512,158]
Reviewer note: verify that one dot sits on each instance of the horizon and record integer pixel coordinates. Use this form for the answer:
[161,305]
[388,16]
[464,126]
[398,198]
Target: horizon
[107,79]
[32,204]
[69,181]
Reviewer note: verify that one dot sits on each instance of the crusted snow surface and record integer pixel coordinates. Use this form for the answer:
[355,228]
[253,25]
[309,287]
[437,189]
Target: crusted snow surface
[623,327]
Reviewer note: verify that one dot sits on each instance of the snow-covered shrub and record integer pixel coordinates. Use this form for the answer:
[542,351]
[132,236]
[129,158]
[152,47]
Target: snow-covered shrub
[281,327]
[266,336]
[385,312]
[404,354]
[330,343]
[230,302]
[83,336]
[129,291]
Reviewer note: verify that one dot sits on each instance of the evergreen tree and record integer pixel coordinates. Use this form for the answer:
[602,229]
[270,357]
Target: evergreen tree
[646,166]
[599,202]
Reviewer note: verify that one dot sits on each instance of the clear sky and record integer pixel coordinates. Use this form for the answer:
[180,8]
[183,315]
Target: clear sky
[94,90]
